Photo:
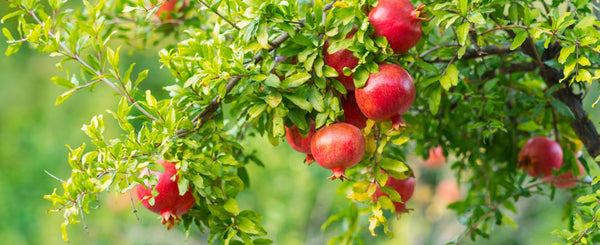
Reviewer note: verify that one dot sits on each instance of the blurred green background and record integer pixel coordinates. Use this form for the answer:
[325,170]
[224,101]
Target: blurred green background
[294,199]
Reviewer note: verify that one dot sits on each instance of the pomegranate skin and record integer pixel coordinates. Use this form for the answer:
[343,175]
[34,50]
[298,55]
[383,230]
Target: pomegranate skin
[169,7]
[337,147]
[352,113]
[436,158]
[339,60]
[398,22]
[299,143]
[404,187]
[387,94]
[539,156]
[566,180]
[168,203]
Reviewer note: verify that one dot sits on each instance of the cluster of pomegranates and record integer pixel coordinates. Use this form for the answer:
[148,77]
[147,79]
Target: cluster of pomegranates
[386,96]
[540,155]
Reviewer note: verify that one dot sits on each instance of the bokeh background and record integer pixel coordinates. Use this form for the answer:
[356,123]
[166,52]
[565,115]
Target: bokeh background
[294,199]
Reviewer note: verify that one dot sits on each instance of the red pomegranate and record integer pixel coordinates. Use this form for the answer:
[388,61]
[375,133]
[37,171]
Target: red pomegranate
[387,94]
[436,158]
[447,190]
[539,156]
[167,8]
[339,60]
[299,143]
[337,147]
[404,187]
[352,113]
[168,203]
[566,180]
[399,22]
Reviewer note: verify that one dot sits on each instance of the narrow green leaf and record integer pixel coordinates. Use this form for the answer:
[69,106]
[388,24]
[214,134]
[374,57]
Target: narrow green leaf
[518,41]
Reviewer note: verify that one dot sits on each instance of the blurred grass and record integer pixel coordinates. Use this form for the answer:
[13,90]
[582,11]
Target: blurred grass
[294,199]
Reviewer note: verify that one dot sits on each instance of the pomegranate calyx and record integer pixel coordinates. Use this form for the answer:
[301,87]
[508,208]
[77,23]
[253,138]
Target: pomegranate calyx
[309,159]
[339,174]
[527,163]
[397,122]
[170,219]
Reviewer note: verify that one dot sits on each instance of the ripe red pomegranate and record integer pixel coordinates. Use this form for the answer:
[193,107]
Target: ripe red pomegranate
[168,203]
[167,8]
[339,60]
[300,143]
[352,113]
[539,156]
[337,147]
[447,190]
[404,187]
[566,180]
[399,22]
[436,158]
[387,94]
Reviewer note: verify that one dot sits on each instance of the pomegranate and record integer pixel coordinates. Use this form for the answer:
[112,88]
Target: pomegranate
[168,203]
[447,190]
[387,94]
[436,158]
[352,113]
[399,22]
[337,147]
[167,8]
[539,156]
[404,187]
[299,143]
[339,60]
[566,180]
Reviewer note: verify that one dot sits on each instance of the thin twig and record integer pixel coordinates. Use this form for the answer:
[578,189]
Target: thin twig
[51,175]
[219,14]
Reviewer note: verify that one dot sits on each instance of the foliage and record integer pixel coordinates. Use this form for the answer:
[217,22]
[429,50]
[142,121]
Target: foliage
[489,75]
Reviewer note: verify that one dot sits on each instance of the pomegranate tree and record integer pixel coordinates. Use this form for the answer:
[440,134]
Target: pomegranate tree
[168,203]
[399,22]
[352,113]
[299,142]
[339,60]
[387,94]
[539,156]
[337,147]
[404,187]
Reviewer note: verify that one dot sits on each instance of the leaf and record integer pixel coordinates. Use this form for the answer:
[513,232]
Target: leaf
[565,52]
[463,32]
[299,101]
[232,206]
[518,41]
[63,82]
[296,80]
[561,108]
[451,77]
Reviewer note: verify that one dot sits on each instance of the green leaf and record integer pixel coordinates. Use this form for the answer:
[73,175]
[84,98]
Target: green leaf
[63,82]
[518,41]
[561,108]
[451,77]
[232,206]
[463,32]
[565,52]
[296,80]
[299,101]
